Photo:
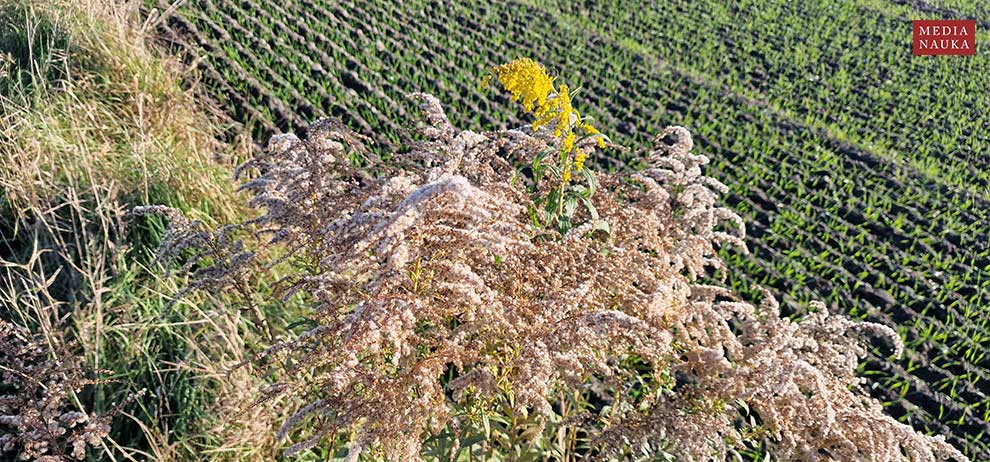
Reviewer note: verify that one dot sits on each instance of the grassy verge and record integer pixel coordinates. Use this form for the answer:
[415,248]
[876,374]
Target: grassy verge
[94,120]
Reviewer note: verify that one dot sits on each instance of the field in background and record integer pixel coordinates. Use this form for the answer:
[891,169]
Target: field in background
[860,170]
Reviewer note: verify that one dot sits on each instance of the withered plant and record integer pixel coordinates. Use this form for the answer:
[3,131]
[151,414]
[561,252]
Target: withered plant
[41,418]
[472,283]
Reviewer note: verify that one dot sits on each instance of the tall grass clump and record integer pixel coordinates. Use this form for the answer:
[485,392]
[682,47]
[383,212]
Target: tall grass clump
[490,296]
[93,121]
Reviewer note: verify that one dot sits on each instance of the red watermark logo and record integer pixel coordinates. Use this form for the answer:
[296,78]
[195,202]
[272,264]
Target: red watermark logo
[936,37]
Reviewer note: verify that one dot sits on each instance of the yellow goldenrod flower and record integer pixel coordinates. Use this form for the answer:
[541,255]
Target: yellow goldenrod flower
[558,111]
[569,142]
[527,81]
[590,130]
[579,160]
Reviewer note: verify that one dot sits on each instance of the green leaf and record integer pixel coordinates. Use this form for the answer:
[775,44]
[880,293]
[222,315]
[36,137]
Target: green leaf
[302,322]
[536,219]
[570,205]
[473,439]
[589,176]
[591,208]
[551,205]
[537,166]
[602,226]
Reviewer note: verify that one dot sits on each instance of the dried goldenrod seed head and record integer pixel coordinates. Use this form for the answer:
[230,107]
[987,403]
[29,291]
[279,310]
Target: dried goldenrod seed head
[442,298]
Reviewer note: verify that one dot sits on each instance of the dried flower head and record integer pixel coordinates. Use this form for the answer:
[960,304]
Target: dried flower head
[38,420]
[439,298]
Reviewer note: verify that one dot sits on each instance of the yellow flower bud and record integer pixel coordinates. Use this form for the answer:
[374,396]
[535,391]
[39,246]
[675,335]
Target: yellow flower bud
[579,160]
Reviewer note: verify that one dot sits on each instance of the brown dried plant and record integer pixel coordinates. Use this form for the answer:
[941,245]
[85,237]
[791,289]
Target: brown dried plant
[39,417]
[438,299]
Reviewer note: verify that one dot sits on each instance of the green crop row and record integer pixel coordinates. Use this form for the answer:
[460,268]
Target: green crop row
[796,57]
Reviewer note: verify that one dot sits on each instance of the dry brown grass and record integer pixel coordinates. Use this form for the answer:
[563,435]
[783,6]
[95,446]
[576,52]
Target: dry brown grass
[93,120]
[118,124]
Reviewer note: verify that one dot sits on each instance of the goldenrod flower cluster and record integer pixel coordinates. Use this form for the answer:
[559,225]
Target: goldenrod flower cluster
[528,82]
[557,110]
[579,160]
